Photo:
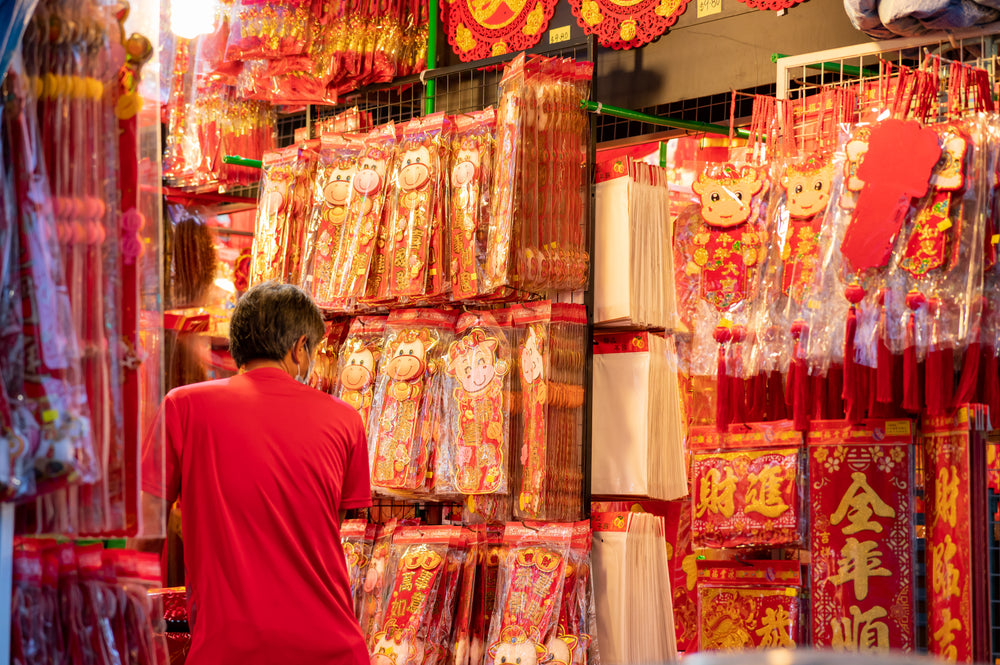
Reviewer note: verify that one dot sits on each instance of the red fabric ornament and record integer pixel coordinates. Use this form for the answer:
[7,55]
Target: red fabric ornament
[480,30]
[625,24]
[896,168]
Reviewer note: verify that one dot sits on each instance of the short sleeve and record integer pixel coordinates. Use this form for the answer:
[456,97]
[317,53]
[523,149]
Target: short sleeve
[161,469]
[356,490]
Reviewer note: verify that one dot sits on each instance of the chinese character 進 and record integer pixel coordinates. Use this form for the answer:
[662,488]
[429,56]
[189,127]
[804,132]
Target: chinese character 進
[860,502]
[774,629]
[716,495]
[764,494]
[862,631]
[860,561]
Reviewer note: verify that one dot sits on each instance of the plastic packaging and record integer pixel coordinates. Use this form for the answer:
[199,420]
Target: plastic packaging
[748,605]
[532,572]
[336,168]
[403,407]
[358,363]
[472,456]
[747,486]
[471,172]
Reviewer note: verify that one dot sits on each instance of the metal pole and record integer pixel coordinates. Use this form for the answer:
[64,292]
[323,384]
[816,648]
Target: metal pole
[432,40]
[836,67]
[242,161]
[663,121]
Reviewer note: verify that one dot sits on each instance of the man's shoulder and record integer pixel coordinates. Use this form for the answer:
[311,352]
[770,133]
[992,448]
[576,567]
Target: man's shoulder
[198,389]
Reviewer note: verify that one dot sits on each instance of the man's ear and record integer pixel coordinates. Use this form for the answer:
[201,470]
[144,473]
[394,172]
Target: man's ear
[301,350]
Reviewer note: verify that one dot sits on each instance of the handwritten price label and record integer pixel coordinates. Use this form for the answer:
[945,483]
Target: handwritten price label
[709,7]
[557,35]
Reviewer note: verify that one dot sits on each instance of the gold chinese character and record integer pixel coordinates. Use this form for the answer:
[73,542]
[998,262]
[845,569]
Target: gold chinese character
[407,581]
[424,579]
[416,602]
[715,494]
[945,635]
[764,494]
[398,607]
[946,495]
[860,561]
[861,631]
[859,503]
[774,629]
[946,575]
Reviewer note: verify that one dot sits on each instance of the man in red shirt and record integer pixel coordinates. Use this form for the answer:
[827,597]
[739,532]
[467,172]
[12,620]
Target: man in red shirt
[264,467]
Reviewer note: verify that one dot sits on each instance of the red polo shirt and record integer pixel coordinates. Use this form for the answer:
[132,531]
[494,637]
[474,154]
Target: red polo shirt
[262,465]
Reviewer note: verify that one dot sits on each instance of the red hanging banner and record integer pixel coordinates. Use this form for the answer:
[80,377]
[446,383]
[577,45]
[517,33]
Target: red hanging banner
[478,30]
[748,605]
[862,535]
[626,24]
[746,486]
[949,537]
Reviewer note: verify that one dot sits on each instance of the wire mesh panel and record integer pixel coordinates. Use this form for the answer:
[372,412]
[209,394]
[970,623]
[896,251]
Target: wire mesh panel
[804,75]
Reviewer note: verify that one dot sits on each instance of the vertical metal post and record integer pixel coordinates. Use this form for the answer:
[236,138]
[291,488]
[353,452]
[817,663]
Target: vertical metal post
[432,40]
[588,373]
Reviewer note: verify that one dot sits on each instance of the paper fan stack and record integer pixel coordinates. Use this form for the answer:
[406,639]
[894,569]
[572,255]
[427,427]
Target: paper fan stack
[635,620]
[633,263]
[637,425]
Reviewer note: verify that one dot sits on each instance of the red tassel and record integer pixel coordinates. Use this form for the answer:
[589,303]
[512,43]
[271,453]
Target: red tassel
[932,367]
[737,384]
[757,398]
[991,383]
[850,392]
[884,376]
[939,368]
[834,407]
[776,409]
[817,393]
[911,377]
[968,385]
[722,407]
[800,384]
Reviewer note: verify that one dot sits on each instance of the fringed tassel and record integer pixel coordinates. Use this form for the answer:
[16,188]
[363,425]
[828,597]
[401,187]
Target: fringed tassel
[939,367]
[723,413]
[851,379]
[834,408]
[968,383]
[800,377]
[991,383]
[776,403]
[757,398]
[884,374]
[737,383]
[911,376]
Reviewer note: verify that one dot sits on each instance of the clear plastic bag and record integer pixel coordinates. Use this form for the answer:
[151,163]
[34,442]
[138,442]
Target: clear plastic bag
[472,457]
[358,362]
[405,398]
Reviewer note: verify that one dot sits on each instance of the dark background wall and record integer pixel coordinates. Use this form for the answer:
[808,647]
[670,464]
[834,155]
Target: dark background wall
[706,56]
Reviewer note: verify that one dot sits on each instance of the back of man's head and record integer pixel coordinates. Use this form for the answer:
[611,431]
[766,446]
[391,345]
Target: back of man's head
[269,319]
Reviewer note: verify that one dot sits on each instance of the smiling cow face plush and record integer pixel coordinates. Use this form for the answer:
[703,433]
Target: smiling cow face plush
[808,187]
[726,194]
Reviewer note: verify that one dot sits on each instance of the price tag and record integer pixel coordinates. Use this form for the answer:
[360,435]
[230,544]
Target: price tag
[709,7]
[897,428]
[557,35]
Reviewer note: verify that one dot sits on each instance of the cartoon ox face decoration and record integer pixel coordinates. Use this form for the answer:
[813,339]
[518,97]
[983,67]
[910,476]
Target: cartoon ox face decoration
[808,187]
[726,194]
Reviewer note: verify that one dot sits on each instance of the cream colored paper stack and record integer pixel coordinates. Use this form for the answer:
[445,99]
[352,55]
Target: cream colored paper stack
[635,619]
[633,262]
[637,432]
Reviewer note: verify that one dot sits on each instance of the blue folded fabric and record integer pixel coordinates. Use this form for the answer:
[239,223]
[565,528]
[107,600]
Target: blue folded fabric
[884,19]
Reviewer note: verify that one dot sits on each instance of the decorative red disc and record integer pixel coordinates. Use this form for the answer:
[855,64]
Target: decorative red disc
[479,29]
[626,24]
